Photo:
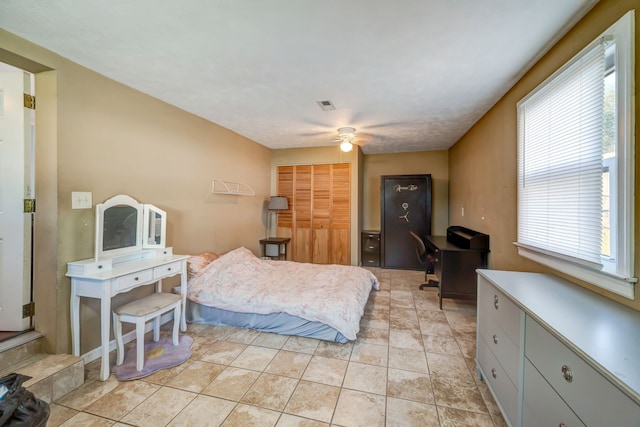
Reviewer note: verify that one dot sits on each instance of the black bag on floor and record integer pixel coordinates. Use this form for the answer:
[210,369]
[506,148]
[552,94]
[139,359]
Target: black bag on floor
[18,406]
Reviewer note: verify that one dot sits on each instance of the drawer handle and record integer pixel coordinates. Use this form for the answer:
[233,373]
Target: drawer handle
[169,269]
[493,373]
[135,278]
[566,373]
[495,339]
[495,301]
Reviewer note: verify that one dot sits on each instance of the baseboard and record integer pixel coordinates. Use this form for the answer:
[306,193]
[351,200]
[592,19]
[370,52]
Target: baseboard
[94,354]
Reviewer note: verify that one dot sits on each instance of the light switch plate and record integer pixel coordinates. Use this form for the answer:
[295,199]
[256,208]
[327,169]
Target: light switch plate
[81,200]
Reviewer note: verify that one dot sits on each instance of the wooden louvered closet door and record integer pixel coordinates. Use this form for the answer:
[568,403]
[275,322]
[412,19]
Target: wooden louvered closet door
[318,219]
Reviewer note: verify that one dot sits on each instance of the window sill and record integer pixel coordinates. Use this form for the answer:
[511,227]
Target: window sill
[617,284]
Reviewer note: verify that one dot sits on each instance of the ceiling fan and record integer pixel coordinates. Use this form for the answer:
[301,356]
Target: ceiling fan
[347,138]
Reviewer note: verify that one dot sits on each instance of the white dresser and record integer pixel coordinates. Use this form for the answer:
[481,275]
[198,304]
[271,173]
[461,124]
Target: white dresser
[556,354]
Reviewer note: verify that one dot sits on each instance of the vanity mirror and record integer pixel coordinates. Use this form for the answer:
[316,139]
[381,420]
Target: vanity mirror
[124,226]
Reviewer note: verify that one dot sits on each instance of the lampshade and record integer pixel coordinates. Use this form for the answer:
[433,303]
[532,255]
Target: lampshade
[278,203]
[346,146]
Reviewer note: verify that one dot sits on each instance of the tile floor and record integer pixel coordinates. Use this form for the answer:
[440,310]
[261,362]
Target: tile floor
[412,365]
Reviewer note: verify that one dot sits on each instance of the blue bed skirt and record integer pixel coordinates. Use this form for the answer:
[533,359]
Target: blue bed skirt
[278,323]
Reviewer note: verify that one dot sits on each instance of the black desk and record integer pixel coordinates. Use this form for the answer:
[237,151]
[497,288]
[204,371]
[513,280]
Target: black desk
[455,267]
[281,242]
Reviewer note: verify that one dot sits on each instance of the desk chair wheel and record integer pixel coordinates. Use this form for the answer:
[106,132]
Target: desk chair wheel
[429,284]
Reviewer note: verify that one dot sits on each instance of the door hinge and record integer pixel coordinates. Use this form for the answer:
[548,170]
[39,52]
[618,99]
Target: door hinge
[29,310]
[29,101]
[29,205]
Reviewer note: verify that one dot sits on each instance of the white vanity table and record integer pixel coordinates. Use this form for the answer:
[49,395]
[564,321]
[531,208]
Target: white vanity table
[130,252]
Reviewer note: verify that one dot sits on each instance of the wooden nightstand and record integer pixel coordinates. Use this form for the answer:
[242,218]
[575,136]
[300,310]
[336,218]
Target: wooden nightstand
[281,244]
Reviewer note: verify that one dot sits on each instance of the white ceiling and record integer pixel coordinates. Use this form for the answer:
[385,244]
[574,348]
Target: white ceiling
[413,74]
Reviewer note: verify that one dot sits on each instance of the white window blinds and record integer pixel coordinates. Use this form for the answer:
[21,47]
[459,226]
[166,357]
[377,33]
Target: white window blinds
[560,136]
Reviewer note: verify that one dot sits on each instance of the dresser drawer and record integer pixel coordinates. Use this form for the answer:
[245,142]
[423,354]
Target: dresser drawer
[166,270]
[542,405]
[133,279]
[492,302]
[589,394]
[371,260]
[504,350]
[505,393]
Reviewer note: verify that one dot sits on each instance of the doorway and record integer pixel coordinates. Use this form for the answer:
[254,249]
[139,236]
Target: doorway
[17,200]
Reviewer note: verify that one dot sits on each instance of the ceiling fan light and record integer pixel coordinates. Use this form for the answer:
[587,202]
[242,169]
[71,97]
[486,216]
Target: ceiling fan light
[346,146]
[346,132]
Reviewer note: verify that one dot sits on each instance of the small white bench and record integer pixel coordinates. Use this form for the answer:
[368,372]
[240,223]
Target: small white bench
[139,312]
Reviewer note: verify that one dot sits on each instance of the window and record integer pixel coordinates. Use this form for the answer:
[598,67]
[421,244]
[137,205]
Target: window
[575,165]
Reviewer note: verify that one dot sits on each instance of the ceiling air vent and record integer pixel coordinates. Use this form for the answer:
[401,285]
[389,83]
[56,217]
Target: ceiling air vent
[326,105]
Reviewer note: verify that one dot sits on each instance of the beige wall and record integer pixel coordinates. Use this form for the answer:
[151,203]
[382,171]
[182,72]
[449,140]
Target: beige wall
[483,166]
[93,134]
[324,155]
[435,163]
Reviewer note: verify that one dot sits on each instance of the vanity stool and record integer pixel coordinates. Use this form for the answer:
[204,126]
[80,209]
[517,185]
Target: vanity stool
[139,312]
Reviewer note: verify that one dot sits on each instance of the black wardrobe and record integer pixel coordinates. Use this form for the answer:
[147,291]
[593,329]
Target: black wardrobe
[405,206]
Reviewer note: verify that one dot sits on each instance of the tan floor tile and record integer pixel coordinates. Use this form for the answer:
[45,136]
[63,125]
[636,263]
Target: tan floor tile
[403,313]
[159,408]
[373,336]
[442,345]
[448,366]
[246,415]
[367,378]
[411,360]
[223,352]
[408,340]
[232,383]
[434,316]
[404,325]
[375,322]
[301,345]
[270,391]
[454,418]
[428,303]
[435,328]
[325,370]
[196,376]
[458,394]
[88,393]
[467,344]
[204,411]
[266,339]
[313,400]
[370,354]
[163,376]
[359,409]
[59,414]
[289,364]
[492,406]
[200,346]
[403,413]
[409,385]
[242,336]
[82,419]
[117,403]
[255,358]
[334,350]
[288,420]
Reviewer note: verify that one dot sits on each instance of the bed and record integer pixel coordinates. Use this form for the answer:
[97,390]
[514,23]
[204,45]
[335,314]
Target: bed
[285,297]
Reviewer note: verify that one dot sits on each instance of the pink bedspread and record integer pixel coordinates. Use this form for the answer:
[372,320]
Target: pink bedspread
[332,294]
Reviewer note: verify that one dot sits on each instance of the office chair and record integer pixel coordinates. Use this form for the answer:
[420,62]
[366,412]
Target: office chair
[424,258]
